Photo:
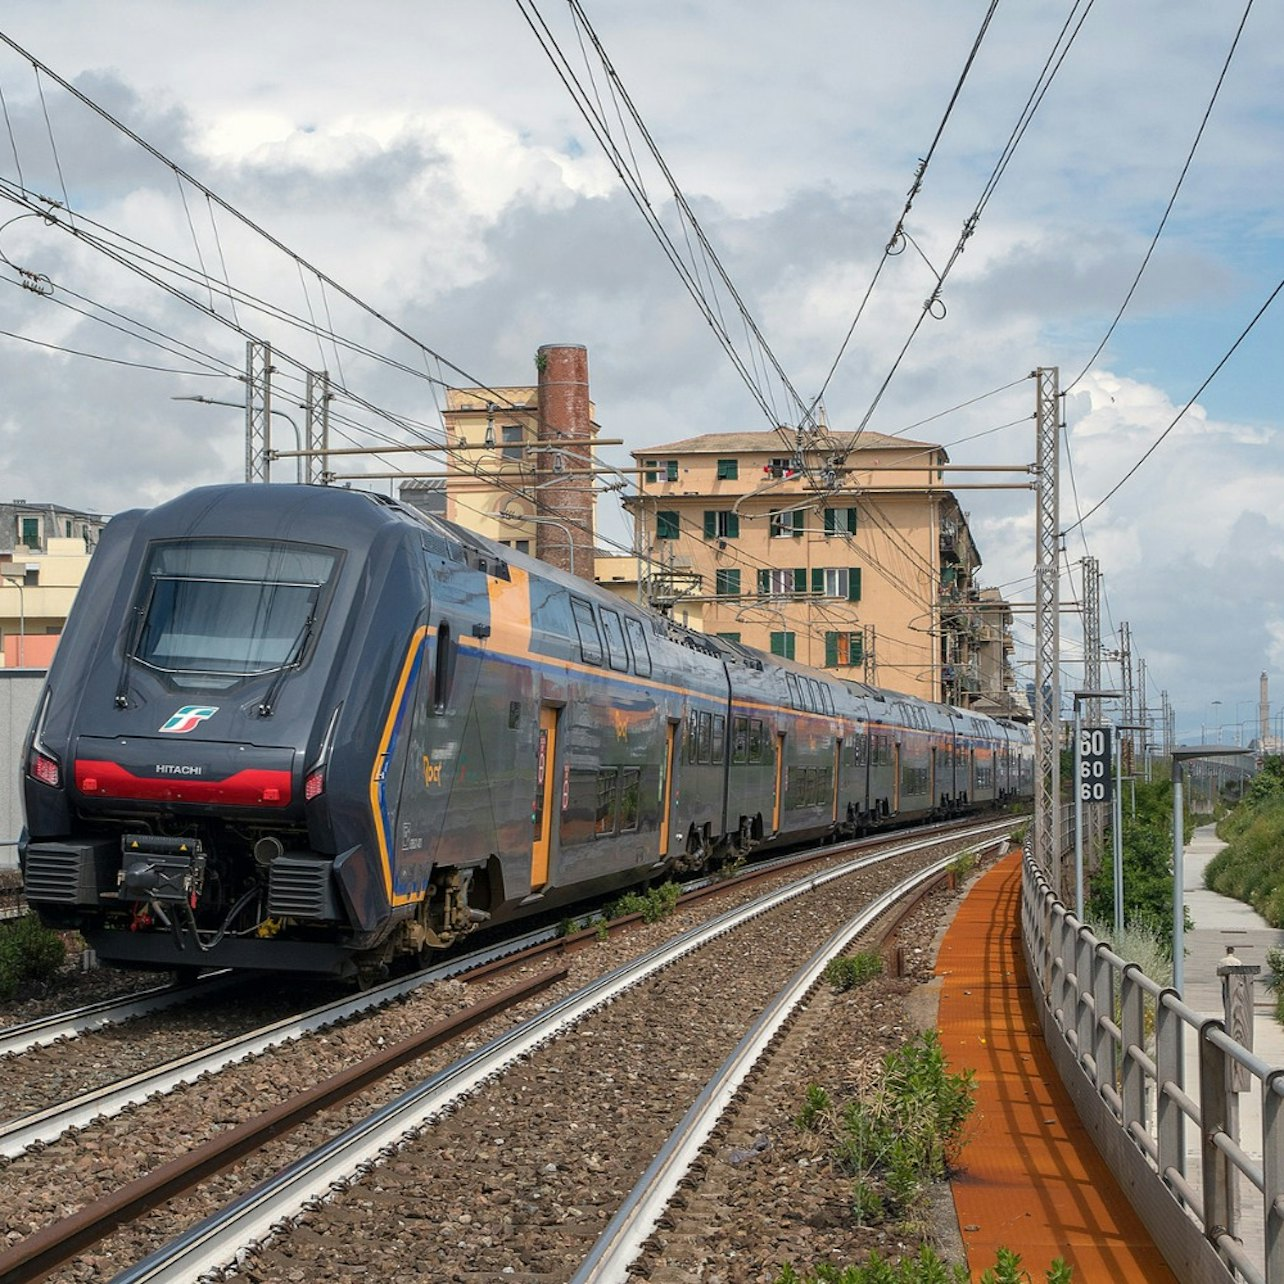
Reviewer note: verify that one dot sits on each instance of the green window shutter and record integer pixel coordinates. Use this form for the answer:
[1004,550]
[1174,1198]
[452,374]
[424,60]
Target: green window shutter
[853,584]
[728,469]
[782,644]
[830,515]
[710,524]
[817,579]
[733,525]
[800,579]
[851,521]
[666,525]
[729,637]
[831,650]
[856,648]
[798,516]
[764,582]
[671,470]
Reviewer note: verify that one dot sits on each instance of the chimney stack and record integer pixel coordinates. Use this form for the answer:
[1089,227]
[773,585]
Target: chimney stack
[563,485]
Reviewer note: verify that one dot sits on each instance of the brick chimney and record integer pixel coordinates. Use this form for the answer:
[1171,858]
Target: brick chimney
[563,486]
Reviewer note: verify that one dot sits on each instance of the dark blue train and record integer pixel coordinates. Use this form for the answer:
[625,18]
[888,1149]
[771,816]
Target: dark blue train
[309,729]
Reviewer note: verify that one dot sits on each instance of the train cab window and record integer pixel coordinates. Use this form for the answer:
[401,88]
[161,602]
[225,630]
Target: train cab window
[755,740]
[706,737]
[215,612]
[719,738]
[740,740]
[795,694]
[586,628]
[641,654]
[616,651]
[813,691]
[827,699]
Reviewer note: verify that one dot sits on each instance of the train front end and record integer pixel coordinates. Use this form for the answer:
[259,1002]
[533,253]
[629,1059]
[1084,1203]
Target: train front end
[176,774]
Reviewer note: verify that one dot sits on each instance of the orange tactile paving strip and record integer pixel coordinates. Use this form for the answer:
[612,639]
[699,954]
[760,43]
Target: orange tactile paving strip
[1034,1182]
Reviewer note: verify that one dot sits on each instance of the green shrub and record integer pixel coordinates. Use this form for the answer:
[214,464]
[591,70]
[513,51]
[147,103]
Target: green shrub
[28,952]
[846,973]
[653,904]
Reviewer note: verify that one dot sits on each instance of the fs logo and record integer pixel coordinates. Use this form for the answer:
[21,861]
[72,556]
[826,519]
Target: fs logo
[188,718]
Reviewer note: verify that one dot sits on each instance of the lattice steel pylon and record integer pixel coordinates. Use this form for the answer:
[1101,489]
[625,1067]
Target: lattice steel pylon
[258,411]
[1047,621]
[317,427]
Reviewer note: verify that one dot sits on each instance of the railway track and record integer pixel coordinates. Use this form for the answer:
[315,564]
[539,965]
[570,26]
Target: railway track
[467,1072]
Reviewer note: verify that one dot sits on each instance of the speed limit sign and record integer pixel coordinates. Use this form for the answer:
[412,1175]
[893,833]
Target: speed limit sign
[1094,765]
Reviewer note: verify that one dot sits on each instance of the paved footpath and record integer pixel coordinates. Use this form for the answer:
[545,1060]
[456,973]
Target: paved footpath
[1221,922]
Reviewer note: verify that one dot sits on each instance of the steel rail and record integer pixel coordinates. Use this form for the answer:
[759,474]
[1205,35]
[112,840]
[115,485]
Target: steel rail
[621,1242]
[43,1126]
[16,1039]
[316,1177]
[35,1256]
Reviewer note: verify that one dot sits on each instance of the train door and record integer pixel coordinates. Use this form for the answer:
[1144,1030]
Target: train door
[838,775]
[545,773]
[666,785]
[932,795]
[780,784]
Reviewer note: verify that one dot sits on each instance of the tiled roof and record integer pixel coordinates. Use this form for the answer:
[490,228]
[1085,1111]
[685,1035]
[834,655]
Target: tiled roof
[773,443]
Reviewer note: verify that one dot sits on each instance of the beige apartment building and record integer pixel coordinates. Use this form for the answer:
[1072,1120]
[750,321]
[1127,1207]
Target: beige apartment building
[851,555]
[44,550]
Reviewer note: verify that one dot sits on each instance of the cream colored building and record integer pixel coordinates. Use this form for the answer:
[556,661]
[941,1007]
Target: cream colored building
[489,485]
[852,555]
[37,589]
[44,550]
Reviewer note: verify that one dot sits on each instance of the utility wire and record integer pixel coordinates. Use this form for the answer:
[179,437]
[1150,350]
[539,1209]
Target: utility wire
[1172,200]
[1181,413]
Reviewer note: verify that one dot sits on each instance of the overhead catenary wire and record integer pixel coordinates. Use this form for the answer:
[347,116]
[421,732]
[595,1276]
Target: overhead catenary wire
[1177,418]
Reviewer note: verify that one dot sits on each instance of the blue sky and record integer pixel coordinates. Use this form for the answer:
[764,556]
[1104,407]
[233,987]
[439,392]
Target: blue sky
[425,156]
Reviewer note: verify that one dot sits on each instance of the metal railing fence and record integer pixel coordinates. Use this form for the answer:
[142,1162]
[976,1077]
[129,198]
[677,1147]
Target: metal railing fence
[1120,1041]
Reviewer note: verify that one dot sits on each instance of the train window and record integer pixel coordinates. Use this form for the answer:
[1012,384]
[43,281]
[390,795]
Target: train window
[795,695]
[443,669]
[740,740]
[641,655]
[586,627]
[693,736]
[828,699]
[858,751]
[604,817]
[578,821]
[813,690]
[616,650]
[755,740]
[706,737]
[630,792]
[217,611]
[719,737]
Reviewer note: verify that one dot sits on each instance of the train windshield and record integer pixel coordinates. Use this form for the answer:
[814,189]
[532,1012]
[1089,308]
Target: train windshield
[227,609]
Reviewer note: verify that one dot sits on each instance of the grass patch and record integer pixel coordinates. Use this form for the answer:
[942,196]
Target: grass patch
[907,1134]
[923,1267]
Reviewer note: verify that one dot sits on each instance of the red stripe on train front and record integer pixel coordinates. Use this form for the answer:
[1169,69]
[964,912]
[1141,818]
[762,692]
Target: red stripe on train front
[241,789]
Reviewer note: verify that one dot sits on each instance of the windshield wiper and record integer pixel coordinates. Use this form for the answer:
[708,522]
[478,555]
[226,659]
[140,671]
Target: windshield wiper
[292,661]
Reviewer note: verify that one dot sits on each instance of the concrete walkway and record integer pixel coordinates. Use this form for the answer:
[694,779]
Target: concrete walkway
[1221,922]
